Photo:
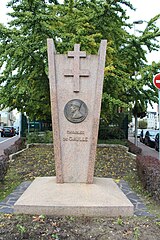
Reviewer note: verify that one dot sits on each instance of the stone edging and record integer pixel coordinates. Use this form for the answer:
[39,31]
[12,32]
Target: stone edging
[116,145]
[13,156]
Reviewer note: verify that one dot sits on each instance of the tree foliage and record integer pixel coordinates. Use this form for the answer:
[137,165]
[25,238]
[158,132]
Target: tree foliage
[142,124]
[23,53]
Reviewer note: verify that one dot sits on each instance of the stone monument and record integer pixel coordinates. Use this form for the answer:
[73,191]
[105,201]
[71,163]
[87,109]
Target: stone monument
[76,82]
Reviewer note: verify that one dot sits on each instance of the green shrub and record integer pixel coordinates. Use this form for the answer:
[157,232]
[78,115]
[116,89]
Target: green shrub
[111,133]
[48,137]
[40,137]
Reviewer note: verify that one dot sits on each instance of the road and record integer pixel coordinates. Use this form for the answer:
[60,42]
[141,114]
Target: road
[3,139]
[146,151]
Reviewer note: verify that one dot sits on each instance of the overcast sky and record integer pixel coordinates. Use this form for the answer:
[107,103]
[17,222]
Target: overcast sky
[145,10]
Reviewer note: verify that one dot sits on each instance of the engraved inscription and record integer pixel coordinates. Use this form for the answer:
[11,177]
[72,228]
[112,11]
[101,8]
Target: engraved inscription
[75,111]
[75,136]
[75,139]
[75,132]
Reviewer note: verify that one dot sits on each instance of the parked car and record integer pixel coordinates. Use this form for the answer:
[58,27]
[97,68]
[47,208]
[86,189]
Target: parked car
[16,130]
[157,142]
[150,137]
[142,135]
[8,132]
[138,133]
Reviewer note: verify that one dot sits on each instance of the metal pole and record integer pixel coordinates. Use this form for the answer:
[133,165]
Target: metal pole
[136,118]
[136,126]
[20,125]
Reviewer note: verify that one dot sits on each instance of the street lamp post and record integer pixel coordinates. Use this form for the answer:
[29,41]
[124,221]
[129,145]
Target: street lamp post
[135,23]
[138,22]
[136,118]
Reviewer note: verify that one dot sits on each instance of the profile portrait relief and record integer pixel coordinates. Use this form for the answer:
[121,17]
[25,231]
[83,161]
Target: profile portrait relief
[75,111]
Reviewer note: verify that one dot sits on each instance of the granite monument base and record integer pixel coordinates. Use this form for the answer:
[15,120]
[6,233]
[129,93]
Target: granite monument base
[102,198]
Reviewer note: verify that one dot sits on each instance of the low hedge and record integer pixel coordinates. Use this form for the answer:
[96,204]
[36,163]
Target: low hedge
[17,146]
[40,137]
[4,159]
[4,164]
[133,148]
[148,169]
[106,133]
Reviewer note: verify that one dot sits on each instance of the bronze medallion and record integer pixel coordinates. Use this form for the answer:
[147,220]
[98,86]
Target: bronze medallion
[75,111]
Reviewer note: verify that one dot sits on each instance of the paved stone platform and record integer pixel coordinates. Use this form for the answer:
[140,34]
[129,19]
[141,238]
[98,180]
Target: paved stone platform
[102,198]
[140,208]
[6,206]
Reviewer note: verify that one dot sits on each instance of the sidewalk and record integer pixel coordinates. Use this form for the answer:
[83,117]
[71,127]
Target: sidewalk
[146,150]
[7,143]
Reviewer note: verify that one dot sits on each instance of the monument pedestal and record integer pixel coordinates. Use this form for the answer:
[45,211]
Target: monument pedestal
[102,198]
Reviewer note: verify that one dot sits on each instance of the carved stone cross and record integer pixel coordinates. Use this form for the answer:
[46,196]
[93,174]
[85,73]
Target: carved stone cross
[76,73]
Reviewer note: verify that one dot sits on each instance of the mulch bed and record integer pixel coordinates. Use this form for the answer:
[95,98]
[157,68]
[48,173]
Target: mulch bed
[38,161]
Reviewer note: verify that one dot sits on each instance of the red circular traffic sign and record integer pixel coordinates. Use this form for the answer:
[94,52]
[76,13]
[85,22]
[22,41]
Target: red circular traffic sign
[156,80]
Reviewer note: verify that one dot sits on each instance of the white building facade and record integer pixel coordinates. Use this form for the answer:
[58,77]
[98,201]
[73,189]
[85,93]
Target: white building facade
[7,118]
[152,120]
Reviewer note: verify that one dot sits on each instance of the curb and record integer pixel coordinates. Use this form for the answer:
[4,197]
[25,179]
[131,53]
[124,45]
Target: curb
[13,156]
